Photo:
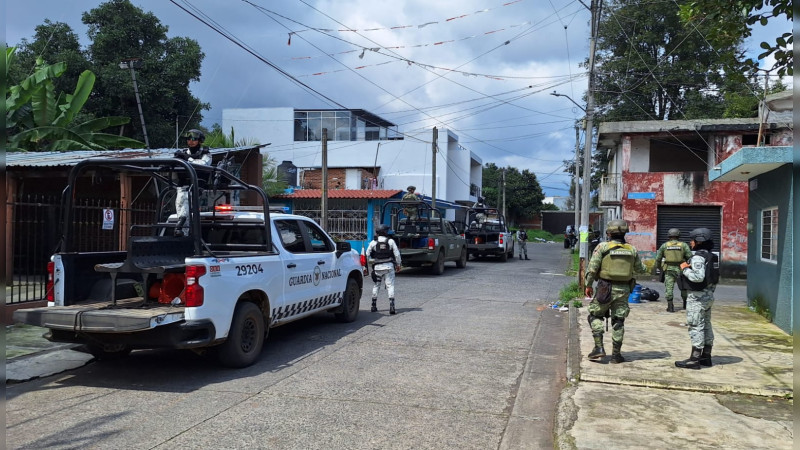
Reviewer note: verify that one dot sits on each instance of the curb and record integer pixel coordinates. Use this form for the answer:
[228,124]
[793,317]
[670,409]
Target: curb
[708,388]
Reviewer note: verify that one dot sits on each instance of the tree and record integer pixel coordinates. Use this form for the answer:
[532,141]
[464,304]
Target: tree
[37,119]
[650,66]
[729,21]
[119,30]
[523,193]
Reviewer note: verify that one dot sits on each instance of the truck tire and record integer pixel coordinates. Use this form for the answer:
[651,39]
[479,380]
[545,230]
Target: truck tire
[511,253]
[350,302]
[109,352]
[504,256]
[245,338]
[438,267]
[462,260]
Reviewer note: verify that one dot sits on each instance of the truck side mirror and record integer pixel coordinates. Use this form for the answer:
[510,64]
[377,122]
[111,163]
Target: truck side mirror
[342,247]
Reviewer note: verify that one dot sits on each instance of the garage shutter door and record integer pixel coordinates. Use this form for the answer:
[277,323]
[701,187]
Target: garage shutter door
[687,218]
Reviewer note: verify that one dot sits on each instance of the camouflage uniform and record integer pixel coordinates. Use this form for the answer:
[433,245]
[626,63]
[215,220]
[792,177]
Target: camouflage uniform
[698,305]
[410,212]
[672,271]
[617,308]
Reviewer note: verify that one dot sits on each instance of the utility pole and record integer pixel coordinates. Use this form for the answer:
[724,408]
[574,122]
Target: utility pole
[324,204]
[504,191]
[595,7]
[576,177]
[131,63]
[433,167]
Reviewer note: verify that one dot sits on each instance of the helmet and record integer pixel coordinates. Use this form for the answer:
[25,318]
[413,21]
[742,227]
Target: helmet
[674,232]
[617,226]
[382,230]
[411,188]
[700,235]
[196,134]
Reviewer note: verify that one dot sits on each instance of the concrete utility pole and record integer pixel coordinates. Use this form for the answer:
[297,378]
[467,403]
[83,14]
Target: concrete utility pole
[324,203]
[504,191]
[576,177]
[595,7]
[433,167]
[131,64]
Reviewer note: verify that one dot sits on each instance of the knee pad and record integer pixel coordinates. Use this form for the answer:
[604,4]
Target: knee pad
[590,318]
[617,323]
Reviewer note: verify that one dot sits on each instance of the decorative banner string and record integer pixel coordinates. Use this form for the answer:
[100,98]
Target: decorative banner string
[450,41]
[400,27]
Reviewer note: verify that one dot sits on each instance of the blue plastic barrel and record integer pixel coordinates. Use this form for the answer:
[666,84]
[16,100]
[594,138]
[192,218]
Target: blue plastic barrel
[636,295]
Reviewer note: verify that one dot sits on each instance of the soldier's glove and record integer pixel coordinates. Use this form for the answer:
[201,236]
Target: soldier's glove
[589,291]
[397,268]
[181,155]
[685,265]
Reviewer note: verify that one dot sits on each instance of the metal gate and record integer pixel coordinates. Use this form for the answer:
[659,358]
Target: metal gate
[687,218]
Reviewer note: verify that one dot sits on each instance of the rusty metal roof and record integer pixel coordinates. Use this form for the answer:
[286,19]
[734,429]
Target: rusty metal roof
[70,158]
[342,193]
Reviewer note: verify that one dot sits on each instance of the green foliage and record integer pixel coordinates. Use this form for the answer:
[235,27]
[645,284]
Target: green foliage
[729,21]
[650,66]
[570,294]
[761,307]
[523,193]
[37,119]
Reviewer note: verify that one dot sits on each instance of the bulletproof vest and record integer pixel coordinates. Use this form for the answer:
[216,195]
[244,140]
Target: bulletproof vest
[673,253]
[523,236]
[711,276]
[617,263]
[382,253]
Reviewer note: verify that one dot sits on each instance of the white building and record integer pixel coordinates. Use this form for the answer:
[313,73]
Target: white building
[360,139]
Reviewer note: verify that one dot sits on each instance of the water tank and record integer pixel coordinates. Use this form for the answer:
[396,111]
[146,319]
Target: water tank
[287,172]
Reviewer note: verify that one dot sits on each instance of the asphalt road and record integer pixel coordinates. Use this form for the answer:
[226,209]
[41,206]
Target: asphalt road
[474,358]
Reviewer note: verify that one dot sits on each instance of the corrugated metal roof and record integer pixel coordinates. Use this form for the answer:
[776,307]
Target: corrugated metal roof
[342,193]
[60,159]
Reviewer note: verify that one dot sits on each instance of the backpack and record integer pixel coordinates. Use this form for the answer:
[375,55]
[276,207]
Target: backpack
[649,294]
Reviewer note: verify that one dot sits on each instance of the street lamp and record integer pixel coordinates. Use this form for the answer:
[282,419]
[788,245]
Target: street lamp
[132,63]
[579,191]
[568,98]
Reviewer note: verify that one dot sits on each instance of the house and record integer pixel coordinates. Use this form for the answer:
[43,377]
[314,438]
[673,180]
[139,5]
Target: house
[658,178]
[765,166]
[364,151]
[34,183]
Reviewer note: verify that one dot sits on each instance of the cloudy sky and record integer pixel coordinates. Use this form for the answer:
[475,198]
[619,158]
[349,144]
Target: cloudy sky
[481,68]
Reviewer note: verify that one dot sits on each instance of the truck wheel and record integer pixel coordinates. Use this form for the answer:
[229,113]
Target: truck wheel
[350,302]
[109,352]
[511,253]
[462,261]
[438,267]
[245,338]
[503,256]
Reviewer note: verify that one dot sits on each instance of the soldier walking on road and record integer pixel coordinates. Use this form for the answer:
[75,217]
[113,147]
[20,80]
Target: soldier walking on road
[613,264]
[674,253]
[700,277]
[385,259]
[522,240]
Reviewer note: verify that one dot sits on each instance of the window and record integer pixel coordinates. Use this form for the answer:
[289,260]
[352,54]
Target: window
[291,236]
[319,242]
[769,235]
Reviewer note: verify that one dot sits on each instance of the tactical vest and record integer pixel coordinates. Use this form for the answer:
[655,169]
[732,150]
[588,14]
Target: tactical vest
[523,236]
[382,252]
[617,263]
[711,276]
[673,253]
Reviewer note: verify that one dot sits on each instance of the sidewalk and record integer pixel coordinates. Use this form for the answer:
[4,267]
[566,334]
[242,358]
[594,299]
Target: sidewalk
[744,401]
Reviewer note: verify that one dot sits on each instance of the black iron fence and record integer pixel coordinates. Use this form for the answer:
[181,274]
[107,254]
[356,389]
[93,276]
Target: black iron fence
[36,229]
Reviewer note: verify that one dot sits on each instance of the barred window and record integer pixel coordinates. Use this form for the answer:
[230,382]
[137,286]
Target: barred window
[769,235]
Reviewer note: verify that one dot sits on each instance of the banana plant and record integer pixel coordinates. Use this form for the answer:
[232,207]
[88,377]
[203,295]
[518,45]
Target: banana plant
[39,120]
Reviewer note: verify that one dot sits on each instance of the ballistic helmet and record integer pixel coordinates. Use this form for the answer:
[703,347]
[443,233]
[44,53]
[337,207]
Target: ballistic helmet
[700,235]
[382,230]
[674,232]
[195,135]
[411,188]
[617,227]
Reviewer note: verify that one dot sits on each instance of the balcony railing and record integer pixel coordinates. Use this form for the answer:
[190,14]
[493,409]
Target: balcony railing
[611,190]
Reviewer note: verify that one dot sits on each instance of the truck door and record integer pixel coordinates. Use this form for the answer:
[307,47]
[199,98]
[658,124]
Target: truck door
[328,277]
[450,236]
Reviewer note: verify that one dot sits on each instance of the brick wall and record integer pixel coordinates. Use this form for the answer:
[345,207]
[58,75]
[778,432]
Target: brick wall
[337,178]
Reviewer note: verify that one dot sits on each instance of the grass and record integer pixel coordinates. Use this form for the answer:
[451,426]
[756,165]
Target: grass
[541,234]
[570,294]
[760,306]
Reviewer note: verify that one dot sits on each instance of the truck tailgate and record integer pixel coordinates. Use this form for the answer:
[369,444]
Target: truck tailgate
[101,317]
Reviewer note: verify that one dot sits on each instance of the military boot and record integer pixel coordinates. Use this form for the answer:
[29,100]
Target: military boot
[705,357]
[694,360]
[520,256]
[391,306]
[374,305]
[684,304]
[616,356]
[526,257]
[670,306]
[598,351]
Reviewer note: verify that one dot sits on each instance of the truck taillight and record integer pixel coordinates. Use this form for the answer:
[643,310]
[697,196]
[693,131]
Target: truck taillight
[194,292]
[431,244]
[51,269]
[501,239]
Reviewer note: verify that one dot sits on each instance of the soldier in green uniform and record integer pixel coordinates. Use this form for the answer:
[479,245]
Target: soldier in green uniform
[613,264]
[410,196]
[673,252]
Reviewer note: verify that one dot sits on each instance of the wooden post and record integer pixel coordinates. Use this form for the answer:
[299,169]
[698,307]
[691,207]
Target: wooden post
[125,200]
[11,192]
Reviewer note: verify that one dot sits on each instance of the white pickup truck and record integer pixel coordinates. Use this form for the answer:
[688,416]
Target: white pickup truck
[220,288]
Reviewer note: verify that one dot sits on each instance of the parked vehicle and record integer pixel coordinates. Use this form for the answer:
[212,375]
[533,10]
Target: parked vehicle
[220,288]
[428,240]
[488,235]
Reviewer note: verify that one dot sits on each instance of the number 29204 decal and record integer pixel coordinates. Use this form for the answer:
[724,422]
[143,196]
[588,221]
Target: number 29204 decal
[248,269]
